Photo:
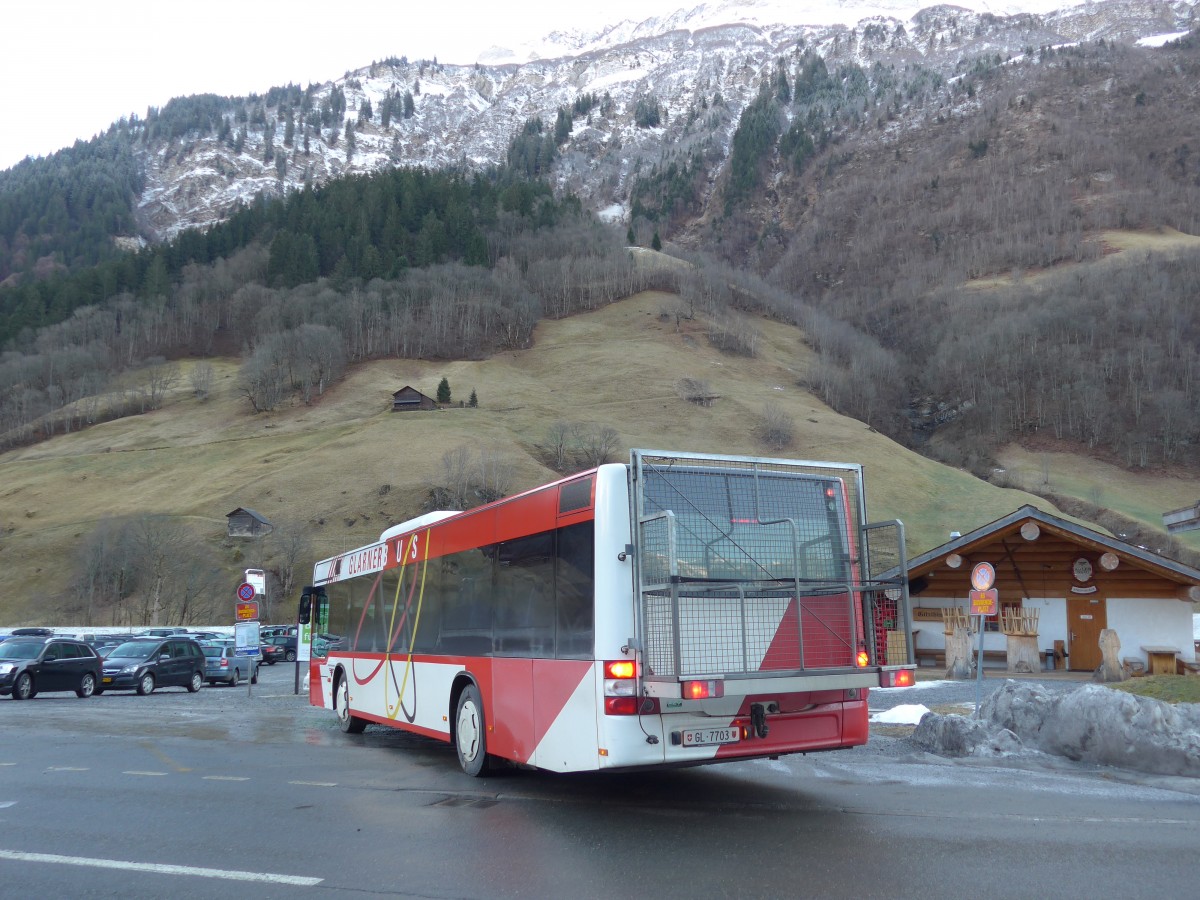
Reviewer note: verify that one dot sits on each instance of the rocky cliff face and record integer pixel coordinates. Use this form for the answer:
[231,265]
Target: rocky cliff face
[701,72]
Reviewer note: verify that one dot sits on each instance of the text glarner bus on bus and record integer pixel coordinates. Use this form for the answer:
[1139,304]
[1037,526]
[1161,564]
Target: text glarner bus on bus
[679,610]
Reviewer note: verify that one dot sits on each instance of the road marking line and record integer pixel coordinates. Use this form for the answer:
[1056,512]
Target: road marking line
[224,778]
[143,773]
[66,769]
[7,764]
[5,804]
[160,868]
[315,783]
[162,757]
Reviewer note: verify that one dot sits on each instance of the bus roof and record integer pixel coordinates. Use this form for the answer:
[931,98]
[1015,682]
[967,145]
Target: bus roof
[413,524]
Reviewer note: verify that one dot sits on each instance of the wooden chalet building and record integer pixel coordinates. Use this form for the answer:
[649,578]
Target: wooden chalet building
[1072,582]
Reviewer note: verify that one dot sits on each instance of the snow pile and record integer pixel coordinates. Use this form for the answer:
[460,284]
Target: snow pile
[1092,724]
[905,714]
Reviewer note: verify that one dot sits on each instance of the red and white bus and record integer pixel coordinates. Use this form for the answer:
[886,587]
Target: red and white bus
[679,610]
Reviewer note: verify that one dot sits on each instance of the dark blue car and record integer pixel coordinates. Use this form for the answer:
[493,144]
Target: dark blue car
[32,665]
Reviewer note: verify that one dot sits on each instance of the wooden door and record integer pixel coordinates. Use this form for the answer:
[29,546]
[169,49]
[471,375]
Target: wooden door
[1087,616]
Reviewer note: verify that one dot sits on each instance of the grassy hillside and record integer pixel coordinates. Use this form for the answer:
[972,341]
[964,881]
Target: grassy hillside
[351,467]
[1142,496]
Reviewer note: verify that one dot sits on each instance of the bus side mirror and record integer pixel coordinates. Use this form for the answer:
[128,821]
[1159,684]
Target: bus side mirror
[305,615]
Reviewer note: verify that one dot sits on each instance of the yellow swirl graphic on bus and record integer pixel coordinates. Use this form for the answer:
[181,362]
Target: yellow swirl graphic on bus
[409,555]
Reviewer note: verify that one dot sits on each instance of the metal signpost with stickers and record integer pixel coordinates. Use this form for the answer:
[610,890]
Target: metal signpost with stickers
[245,627]
[984,601]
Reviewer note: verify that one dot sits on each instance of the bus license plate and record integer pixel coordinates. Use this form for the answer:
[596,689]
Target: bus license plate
[700,737]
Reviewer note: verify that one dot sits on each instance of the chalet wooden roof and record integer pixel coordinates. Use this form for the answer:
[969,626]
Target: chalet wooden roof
[1035,554]
[248,511]
[409,389]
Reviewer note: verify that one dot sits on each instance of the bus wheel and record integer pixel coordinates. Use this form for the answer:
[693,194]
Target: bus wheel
[341,702]
[470,733]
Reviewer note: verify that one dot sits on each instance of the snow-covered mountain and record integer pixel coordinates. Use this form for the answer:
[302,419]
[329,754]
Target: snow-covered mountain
[701,66]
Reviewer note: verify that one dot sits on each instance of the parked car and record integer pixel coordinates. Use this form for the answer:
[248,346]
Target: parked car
[143,665]
[271,653]
[30,665]
[103,643]
[161,632]
[221,663]
[287,643]
[274,630]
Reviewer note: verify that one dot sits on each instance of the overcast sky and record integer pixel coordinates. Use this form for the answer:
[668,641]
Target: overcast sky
[70,68]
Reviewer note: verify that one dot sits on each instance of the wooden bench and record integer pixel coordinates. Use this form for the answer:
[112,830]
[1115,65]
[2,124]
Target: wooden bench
[939,656]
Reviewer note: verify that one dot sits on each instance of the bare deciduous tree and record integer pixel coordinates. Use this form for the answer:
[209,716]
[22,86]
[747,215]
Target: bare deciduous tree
[469,478]
[288,551]
[695,390]
[594,444]
[202,379]
[776,428]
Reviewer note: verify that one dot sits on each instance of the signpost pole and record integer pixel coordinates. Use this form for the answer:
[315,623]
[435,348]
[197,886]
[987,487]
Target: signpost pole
[984,602]
[979,669]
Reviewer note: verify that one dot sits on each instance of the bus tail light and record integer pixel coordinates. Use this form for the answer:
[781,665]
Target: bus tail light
[620,706]
[620,668]
[703,690]
[863,659]
[620,688]
[892,678]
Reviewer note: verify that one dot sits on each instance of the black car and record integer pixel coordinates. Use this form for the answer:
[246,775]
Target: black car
[271,653]
[30,665]
[287,644]
[143,665]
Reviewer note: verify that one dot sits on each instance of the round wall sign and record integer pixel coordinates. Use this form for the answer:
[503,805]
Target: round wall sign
[983,576]
[1082,569]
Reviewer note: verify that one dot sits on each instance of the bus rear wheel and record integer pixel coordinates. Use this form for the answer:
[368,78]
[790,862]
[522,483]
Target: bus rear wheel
[349,723]
[470,733]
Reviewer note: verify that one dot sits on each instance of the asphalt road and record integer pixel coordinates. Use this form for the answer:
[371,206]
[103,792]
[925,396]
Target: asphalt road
[221,794]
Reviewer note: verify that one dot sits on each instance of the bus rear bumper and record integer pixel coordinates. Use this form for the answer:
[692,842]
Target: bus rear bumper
[827,726]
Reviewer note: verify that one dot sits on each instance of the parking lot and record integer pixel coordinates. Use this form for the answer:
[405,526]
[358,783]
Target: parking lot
[173,792]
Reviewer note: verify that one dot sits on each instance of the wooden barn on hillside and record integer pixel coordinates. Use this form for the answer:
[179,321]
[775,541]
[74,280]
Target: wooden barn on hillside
[244,522]
[409,397]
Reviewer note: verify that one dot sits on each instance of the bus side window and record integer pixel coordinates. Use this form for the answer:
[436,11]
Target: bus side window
[575,584]
[524,617]
[465,582]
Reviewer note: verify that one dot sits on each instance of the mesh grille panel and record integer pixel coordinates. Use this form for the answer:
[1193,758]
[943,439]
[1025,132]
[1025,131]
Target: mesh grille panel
[727,545]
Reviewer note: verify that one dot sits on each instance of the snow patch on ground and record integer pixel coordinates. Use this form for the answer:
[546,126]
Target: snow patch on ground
[613,213]
[906,714]
[1157,40]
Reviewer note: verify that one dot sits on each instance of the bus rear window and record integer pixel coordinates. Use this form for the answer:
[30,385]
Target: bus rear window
[575,495]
